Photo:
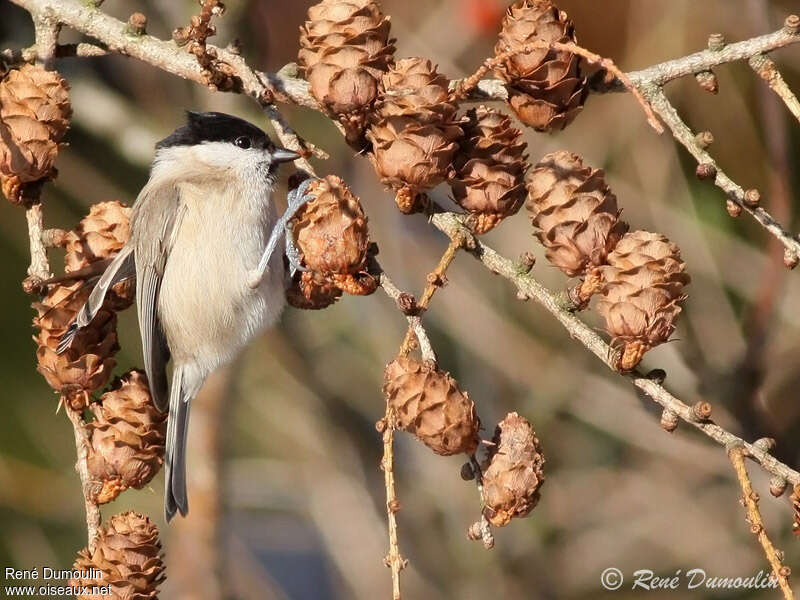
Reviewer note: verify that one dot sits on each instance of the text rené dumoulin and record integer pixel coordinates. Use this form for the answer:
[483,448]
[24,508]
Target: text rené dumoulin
[48,574]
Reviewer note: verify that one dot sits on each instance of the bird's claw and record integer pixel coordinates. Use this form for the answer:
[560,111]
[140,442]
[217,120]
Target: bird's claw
[293,253]
[297,198]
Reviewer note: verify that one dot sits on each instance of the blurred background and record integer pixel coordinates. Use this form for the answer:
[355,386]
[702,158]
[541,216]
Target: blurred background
[287,496]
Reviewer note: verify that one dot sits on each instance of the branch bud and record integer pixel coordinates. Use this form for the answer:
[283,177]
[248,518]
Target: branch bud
[790,258]
[704,139]
[752,198]
[733,208]
[701,410]
[525,262]
[474,532]
[407,304]
[706,171]
[765,444]
[777,486]
[792,24]
[716,42]
[708,81]
[137,24]
[669,420]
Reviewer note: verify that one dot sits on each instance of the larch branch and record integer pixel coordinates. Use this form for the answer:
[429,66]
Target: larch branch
[665,72]
[452,225]
[414,321]
[766,68]
[435,280]
[285,86]
[47,29]
[463,88]
[393,560]
[733,191]
[482,529]
[750,501]
[93,517]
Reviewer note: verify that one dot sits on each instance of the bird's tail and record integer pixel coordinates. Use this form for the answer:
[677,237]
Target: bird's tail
[180,397]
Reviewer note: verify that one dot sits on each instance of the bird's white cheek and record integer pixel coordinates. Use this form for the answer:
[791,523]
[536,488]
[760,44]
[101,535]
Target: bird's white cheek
[223,155]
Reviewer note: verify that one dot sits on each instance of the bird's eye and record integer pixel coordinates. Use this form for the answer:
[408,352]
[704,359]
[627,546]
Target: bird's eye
[242,142]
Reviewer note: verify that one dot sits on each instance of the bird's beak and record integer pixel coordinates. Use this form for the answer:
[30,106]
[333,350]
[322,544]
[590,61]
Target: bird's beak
[282,155]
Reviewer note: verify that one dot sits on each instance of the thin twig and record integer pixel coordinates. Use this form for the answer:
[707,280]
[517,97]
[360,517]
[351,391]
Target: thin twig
[662,73]
[665,72]
[436,279]
[465,88]
[768,71]
[47,29]
[452,224]
[393,560]
[93,517]
[733,191]
[39,269]
[289,138]
[414,321]
[82,50]
[750,500]
[484,528]
[165,55]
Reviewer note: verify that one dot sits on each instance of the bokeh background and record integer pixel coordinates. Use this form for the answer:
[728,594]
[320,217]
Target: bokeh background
[287,496]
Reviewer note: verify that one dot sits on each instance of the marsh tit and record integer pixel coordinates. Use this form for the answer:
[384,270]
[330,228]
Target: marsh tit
[198,229]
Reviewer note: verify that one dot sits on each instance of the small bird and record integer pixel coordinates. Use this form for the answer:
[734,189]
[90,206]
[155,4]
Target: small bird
[198,229]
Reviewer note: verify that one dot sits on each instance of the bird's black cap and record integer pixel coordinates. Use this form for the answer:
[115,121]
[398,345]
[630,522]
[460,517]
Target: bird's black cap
[214,127]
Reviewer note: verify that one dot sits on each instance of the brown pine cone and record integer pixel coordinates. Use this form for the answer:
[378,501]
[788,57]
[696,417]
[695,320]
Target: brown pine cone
[642,291]
[126,438]
[413,132]
[515,474]
[576,215]
[428,403]
[331,229]
[88,363]
[128,556]
[34,116]
[312,291]
[546,88]
[331,233]
[344,51]
[100,235]
[489,178]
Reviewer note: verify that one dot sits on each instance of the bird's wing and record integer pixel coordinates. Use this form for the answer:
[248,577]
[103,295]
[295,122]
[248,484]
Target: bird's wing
[154,223]
[119,269]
